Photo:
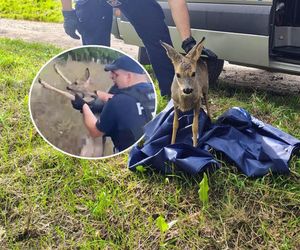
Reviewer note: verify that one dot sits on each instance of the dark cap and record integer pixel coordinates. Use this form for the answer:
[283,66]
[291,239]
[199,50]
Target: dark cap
[125,63]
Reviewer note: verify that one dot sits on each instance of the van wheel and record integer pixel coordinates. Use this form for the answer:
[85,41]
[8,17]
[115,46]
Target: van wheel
[215,68]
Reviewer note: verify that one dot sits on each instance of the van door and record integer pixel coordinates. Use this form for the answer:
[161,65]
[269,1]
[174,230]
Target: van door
[285,31]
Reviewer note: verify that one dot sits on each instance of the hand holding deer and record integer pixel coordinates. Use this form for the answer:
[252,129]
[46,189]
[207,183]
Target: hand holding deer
[80,92]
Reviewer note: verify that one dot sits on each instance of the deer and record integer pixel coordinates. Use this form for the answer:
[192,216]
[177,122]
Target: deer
[189,86]
[93,147]
[79,86]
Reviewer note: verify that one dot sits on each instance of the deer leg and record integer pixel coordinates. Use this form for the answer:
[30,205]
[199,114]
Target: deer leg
[206,104]
[92,147]
[195,126]
[98,146]
[175,125]
[64,93]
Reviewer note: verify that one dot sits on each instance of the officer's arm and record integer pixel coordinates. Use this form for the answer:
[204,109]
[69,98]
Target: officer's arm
[90,121]
[181,17]
[66,4]
[103,95]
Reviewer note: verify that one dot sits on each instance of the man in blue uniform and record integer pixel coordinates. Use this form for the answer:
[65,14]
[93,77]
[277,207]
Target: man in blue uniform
[127,110]
[93,20]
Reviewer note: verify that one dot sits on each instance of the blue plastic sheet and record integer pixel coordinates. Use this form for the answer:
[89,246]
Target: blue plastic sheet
[253,146]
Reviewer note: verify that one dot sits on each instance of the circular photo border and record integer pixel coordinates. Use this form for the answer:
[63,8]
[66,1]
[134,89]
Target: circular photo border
[36,81]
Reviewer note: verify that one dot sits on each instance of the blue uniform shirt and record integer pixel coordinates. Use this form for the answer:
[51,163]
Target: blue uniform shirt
[124,116]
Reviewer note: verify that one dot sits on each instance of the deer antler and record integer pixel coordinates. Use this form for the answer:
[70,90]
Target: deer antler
[61,74]
[48,86]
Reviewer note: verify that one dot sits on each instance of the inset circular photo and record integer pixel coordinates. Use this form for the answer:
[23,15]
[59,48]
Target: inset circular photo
[92,102]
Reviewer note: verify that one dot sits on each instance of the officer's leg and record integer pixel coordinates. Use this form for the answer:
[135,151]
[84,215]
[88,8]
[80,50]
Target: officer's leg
[161,64]
[95,21]
[151,28]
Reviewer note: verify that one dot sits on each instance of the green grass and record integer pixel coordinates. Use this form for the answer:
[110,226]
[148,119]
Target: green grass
[38,10]
[50,200]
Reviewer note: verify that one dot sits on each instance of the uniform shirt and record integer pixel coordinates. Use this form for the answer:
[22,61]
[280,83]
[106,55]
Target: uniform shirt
[123,117]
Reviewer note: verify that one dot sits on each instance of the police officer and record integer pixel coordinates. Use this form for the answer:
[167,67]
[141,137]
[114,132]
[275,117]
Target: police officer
[93,20]
[127,110]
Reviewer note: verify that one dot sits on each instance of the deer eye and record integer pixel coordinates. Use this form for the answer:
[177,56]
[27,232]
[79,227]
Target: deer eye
[178,75]
[75,83]
[193,74]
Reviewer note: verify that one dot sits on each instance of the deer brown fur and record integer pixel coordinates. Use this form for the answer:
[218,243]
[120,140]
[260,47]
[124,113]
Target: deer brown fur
[189,86]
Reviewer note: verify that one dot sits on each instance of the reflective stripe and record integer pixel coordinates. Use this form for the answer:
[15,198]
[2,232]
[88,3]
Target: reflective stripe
[140,108]
[113,3]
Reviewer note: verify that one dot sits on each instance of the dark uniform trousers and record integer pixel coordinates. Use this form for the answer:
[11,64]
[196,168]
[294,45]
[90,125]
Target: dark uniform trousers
[146,16]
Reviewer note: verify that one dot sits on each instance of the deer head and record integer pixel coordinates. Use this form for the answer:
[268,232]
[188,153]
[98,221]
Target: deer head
[185,67]
[80,86]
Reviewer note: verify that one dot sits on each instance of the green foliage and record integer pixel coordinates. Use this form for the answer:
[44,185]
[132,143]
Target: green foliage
[163,227]
[140,169]
[38,10]
[104,55]
[203,190]
[162,224]
[50,200]
[104,201]
[19,62]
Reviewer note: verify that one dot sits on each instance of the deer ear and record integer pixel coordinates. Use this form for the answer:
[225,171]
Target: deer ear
[196,51]
[87,73]
[171,52]
[87,79]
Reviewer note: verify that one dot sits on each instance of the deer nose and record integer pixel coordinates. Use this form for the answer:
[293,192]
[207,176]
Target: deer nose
[188,91]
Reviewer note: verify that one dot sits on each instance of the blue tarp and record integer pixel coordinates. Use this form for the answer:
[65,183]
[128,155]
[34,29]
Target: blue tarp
[252,145]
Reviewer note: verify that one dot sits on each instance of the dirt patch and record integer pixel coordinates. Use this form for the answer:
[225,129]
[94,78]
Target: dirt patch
[50,33]
[53,33]
[260,79]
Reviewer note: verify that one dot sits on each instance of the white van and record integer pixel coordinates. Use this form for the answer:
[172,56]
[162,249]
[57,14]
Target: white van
[256,33]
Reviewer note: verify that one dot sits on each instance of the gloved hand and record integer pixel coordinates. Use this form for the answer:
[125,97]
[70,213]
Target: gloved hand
[78,103]
[190,42]
[96,105]
[70,23]
[209,54]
